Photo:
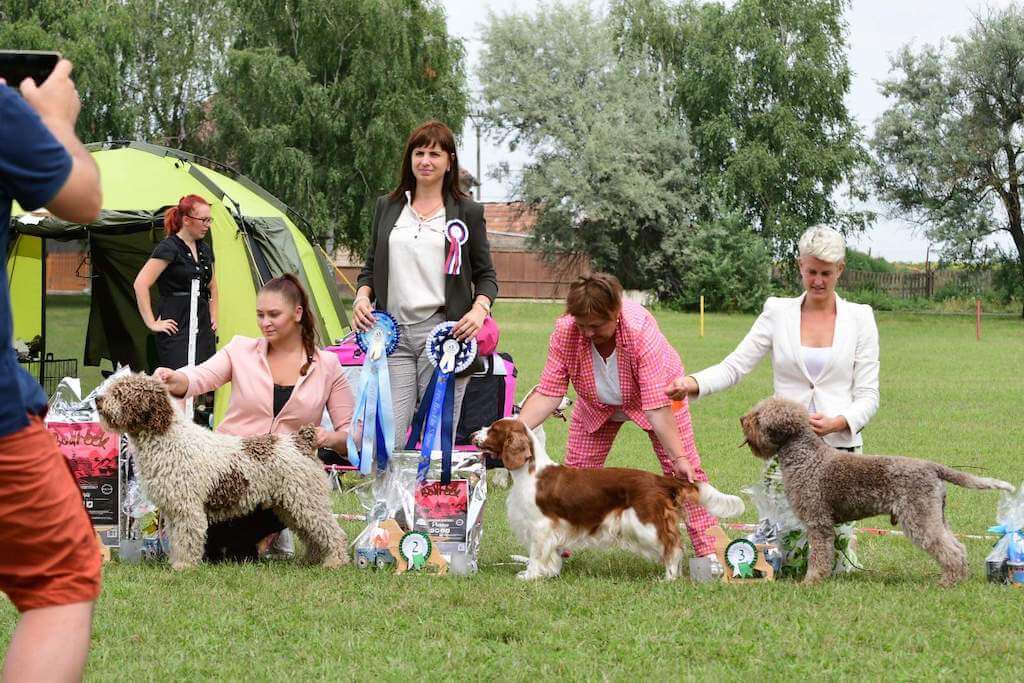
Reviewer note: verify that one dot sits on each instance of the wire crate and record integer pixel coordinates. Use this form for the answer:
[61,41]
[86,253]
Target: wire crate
[54,370]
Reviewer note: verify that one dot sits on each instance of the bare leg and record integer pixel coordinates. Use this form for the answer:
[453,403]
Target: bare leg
[50,644]
[822,541]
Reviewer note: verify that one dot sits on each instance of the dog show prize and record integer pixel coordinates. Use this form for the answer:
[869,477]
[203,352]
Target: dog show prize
[437,407]
[741,555]
[374,409]
[450,515]
[743,560]
[415,549]
[457,234]
[1005,562]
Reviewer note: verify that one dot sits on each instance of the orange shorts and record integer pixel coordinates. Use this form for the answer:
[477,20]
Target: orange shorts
[49,553]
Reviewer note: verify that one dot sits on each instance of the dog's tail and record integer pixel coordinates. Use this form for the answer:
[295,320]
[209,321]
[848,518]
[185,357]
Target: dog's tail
[719,504]
[305,440]
[970,481]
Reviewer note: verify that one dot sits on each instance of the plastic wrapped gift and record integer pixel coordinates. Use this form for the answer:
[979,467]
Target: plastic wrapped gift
[780,529]
[450,514]
[1005,563]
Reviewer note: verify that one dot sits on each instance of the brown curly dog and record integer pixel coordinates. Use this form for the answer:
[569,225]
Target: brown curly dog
[826,487]
[196,476]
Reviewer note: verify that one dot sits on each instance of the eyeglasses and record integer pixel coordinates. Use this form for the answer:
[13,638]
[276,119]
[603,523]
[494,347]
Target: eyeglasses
[204,221]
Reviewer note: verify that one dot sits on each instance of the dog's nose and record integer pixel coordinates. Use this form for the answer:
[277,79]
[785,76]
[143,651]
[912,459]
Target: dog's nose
[99,401]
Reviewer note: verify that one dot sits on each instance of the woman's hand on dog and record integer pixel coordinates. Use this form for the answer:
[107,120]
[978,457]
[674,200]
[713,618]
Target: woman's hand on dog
[176,382]
[333,440]
[823,424]
[682,468]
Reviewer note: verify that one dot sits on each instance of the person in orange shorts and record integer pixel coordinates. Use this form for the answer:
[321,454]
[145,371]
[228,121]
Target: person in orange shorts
[49,553]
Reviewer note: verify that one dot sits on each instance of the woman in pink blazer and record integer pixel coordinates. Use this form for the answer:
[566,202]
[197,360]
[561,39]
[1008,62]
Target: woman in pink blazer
[618,361]
[278,383]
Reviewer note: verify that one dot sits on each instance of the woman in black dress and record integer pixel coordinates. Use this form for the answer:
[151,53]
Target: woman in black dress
[175,263]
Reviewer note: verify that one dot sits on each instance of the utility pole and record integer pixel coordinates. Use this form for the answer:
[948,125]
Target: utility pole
[475,117]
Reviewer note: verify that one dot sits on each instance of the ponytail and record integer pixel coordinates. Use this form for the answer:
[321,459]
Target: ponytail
[174,216]
[289,286]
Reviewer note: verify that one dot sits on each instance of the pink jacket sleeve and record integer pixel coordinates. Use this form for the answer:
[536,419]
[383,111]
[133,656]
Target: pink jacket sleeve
[554,380]
[209,375]
[340,403]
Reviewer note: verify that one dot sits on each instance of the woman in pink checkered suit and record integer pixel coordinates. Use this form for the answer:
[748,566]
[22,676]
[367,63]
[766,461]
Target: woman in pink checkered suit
[618,361]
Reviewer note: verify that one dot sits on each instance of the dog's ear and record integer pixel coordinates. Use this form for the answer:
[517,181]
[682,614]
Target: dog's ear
[781,420]
[305,439]
[516,450]
[161,412]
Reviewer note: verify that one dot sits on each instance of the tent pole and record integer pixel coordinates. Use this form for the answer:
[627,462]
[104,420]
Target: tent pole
[42,319]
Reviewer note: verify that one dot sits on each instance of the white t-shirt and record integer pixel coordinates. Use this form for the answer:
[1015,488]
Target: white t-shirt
[606,376]
[416,264]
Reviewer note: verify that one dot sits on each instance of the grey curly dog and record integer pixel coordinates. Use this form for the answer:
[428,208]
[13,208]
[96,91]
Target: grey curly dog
[826,487]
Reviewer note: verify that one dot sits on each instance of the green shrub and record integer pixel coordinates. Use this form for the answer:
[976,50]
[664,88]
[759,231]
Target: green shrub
[724,261]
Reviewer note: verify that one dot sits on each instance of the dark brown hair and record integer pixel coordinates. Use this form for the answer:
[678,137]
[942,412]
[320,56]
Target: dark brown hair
[597,294]
[431,133]
[174,215]
[291,289]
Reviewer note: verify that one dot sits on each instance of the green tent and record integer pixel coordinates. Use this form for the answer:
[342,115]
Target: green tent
[254,238]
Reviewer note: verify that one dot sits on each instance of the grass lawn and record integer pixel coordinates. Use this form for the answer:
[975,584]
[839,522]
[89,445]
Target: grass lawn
[945,396]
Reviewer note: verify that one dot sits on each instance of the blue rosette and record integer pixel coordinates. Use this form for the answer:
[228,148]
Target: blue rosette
[374,408]
[433,425]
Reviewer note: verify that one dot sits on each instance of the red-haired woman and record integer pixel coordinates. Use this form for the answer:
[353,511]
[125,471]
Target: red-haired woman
[405,270]
[175,262]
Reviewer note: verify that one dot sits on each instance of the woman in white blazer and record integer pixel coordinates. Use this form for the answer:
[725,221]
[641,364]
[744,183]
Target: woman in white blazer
[824,352]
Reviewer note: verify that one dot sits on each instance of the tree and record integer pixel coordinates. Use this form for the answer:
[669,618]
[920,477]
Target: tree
[143,69]
[319,97]
[761,83]
[612,171]
[949,148]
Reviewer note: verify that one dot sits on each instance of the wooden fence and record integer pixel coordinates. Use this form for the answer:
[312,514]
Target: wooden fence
[910,285]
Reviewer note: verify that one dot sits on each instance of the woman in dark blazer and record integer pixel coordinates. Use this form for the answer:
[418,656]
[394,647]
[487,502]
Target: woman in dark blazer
[428,262]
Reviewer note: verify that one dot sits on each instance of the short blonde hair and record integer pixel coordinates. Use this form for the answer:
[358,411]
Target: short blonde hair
[823,242]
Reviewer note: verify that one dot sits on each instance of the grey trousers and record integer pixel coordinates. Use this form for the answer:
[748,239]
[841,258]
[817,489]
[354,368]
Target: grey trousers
[410,371]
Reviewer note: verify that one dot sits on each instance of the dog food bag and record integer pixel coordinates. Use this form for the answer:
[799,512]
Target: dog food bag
[92,454]
[451,514]
[1005,563]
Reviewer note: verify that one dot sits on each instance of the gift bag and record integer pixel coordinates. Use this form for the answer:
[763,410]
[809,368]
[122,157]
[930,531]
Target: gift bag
[1005,563]
[451,514]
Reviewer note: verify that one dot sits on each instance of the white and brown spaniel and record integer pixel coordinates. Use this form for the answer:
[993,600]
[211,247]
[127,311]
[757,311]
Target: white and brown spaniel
[552,508]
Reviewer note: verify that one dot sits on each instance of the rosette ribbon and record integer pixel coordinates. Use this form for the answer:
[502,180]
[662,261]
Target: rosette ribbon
[433,425]
[373,403]
[457,234]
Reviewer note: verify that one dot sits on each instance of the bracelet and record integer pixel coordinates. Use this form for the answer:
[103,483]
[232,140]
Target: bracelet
[481,304]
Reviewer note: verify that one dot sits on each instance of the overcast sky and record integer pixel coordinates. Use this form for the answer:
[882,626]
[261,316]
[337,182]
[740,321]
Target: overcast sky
[877,29]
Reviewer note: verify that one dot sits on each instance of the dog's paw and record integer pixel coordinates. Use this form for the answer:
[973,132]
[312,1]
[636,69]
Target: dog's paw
[181,566]
[336,562]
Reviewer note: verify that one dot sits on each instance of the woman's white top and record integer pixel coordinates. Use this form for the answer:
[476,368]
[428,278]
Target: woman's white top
[606,377]
[847,384]
[815,359]
[416,264]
